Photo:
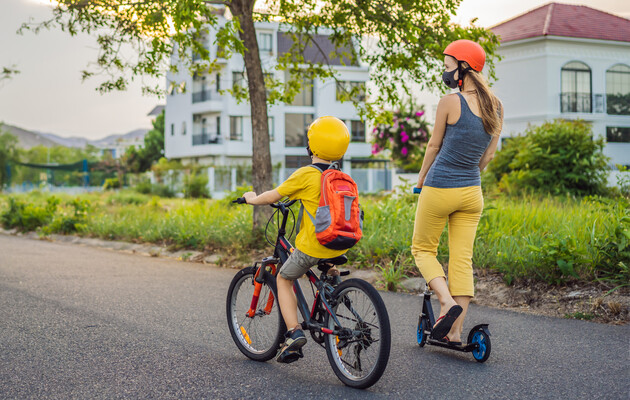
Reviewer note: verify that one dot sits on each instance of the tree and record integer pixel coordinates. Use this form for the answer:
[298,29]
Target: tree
[8,152]
[141,160]
[401,40]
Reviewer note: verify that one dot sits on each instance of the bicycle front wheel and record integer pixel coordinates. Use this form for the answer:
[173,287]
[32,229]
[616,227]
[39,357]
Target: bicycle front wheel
[257,334]
[359,356]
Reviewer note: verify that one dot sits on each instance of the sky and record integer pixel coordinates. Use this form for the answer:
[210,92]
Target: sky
[49,96]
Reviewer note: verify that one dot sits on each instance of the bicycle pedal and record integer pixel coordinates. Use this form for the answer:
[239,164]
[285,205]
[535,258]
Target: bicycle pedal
[287,357]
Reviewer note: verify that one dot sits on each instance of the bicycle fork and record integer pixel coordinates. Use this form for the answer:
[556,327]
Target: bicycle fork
[268,266]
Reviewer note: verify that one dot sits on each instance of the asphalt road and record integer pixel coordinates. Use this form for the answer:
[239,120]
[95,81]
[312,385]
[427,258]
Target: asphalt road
[81,322]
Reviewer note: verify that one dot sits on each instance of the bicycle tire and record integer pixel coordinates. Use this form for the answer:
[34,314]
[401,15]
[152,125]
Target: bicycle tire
[375,315]
[271,325]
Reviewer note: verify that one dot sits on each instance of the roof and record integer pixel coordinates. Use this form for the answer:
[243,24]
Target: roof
[157,110]
[555,19]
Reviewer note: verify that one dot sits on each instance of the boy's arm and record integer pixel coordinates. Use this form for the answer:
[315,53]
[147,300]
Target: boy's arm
[270,196]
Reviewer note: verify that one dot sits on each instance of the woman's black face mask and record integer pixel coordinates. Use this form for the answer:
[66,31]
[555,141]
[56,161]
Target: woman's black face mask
[449,78]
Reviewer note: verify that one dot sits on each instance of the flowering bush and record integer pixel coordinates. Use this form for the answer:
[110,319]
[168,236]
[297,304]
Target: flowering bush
[405,138]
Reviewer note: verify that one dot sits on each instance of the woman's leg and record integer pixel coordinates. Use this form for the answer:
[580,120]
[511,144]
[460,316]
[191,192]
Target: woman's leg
[462,228]
[431,214]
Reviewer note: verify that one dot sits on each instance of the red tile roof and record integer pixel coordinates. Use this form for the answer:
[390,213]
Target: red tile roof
[555,19]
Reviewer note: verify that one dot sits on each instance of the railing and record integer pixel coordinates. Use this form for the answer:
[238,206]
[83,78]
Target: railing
[206,138]
[573,102]
[205,95]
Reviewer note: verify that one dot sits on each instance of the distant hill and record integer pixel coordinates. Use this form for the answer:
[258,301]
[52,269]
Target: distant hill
[28,139]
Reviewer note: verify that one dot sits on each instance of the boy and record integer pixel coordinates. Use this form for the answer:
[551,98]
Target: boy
[328,140]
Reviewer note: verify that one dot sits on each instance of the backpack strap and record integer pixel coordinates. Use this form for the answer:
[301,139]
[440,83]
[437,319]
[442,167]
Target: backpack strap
[302,209]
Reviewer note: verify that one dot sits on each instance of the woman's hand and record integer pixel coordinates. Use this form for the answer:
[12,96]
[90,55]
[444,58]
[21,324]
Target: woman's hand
[248,196]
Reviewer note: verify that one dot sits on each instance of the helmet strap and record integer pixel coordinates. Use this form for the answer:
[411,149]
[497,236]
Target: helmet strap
[308,150]
[461,72]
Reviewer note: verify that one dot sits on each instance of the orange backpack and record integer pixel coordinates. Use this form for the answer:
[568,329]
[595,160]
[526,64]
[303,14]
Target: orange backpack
[339,218]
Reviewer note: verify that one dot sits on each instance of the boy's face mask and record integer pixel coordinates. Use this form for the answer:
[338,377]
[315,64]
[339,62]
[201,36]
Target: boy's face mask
[448,77]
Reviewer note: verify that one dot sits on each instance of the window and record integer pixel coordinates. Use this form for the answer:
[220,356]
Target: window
[618,90]
[184,128]
[304,96]
[238,78]
[617,134]
[218,82]
[201,91]
[206,129]
[272,129]
[265,42]
[172,129]
[357,131]
[294,162]
[236,128]
[345,88]
[576,88]
[295,128]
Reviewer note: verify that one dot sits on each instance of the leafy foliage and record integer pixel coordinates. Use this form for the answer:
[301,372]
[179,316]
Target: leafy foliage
[196,185]
[141,160]
[28,216]
[405,138]
[8,152]
[557,157]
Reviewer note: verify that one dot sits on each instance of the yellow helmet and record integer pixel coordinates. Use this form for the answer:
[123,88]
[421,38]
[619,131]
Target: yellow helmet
[328,138]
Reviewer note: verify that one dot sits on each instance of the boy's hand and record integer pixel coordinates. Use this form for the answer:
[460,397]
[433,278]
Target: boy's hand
[249,196]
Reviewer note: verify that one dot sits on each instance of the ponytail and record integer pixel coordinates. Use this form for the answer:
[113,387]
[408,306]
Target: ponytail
[489,104]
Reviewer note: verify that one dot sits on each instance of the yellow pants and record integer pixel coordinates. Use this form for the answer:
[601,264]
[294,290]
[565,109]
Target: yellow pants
[461,207]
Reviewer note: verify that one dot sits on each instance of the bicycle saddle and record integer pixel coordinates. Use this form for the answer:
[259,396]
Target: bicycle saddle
[342,259]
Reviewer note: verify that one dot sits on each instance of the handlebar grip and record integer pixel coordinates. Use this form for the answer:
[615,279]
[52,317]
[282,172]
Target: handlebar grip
[240,200]
[417,190]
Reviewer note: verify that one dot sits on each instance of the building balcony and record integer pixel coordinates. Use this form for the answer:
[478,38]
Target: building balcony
[205,137]
[586,103]
[205,95]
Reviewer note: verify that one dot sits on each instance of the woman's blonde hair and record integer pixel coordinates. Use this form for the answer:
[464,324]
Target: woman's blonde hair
[489,104]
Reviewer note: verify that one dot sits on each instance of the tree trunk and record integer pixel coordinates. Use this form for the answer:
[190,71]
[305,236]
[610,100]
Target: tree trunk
[261,156]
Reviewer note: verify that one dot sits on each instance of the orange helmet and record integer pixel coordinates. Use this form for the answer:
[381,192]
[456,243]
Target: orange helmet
[469,51]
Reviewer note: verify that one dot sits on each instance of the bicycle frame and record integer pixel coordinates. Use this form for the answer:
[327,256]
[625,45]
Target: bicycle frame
[268,266]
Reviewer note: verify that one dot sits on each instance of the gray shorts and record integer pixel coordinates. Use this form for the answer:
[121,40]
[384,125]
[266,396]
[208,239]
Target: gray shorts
[297,265]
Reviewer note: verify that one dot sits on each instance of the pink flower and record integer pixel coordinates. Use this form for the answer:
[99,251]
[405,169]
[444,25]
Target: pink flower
[381,135]
[404,137]
[375,130]
[404,152]
[375,148]
[391,139]
[419,113]
[407,119]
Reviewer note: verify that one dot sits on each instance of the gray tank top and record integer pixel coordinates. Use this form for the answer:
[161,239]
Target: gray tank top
[457,163]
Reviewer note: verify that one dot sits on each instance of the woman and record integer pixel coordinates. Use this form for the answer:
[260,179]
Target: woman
[464,140]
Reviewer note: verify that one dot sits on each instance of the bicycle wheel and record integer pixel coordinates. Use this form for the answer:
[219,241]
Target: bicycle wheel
[257,337]
[359,357]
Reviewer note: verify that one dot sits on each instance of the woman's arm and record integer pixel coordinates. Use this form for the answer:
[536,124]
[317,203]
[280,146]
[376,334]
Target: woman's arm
[270,196]
[435,143]
[489,154]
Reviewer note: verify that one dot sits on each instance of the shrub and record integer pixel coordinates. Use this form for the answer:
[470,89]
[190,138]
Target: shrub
[157,189]
[73,221]
[28,217]
[196,185]
[559,157]
[111,183]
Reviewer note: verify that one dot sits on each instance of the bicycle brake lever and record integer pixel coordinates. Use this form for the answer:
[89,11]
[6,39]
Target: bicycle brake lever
[240,200]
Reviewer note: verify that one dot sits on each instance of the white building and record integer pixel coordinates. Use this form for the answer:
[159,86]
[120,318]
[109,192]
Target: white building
[208,128]
[566,61]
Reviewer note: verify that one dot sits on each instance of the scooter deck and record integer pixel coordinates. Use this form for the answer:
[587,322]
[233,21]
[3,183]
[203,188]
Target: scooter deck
[463,348]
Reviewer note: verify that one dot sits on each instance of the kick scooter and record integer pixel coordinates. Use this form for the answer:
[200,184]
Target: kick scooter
[478,338]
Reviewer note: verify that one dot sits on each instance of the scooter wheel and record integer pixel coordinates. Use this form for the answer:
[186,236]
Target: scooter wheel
[422,337]
[482,340]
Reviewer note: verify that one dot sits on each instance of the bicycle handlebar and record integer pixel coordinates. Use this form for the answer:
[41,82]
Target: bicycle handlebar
[241,200]
[417,190]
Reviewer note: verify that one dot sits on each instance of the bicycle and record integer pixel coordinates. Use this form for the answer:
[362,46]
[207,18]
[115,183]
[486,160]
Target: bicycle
[349,320]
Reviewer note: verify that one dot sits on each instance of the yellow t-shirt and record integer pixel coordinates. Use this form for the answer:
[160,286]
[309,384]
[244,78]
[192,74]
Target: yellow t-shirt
[305,184]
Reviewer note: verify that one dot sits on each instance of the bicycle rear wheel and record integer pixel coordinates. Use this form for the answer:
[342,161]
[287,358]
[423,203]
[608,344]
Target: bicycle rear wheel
[358,358]
[258,336]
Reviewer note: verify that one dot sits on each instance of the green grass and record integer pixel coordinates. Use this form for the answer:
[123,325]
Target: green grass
[550,239]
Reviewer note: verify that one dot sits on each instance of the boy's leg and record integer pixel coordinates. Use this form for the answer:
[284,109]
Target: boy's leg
[296,265]
[287,301]
[462,228]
